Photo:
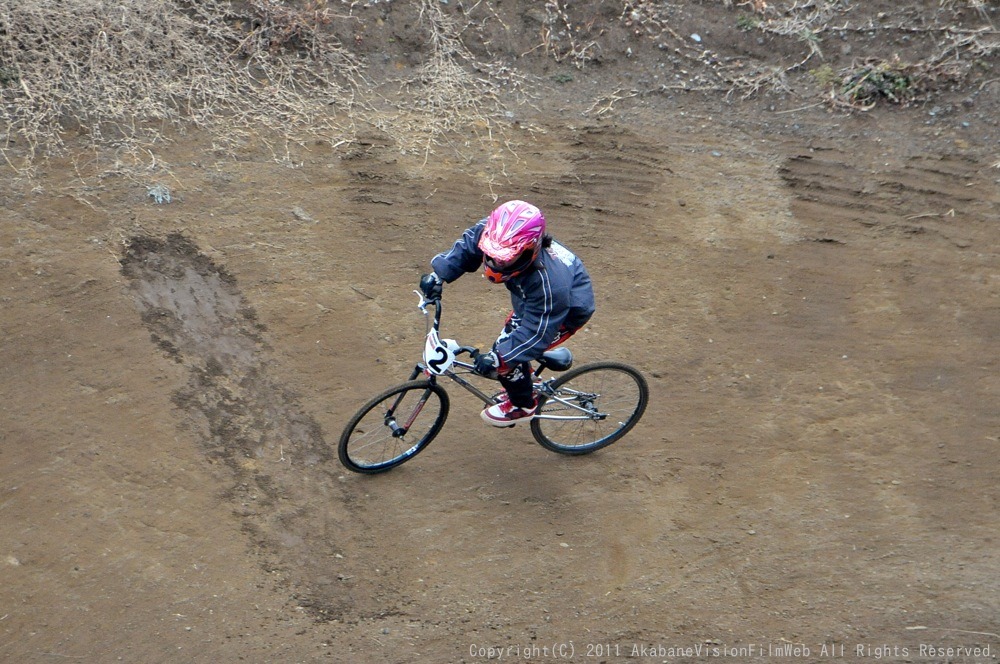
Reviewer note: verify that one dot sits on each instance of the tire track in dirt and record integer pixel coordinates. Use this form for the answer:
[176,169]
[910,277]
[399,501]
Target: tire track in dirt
[248,422]
[608,174]
[920,195]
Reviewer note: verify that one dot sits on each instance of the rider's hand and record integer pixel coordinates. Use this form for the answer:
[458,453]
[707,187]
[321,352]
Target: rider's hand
[431,286]
[486,364]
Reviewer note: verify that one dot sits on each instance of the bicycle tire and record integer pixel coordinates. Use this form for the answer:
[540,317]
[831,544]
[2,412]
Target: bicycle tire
[368,443]
[617,390]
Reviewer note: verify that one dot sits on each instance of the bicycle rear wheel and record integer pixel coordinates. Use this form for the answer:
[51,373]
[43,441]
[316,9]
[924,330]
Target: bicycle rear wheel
[590,407]
[393,427]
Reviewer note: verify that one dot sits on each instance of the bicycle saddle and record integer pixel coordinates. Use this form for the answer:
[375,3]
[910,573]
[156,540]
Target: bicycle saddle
[558,359]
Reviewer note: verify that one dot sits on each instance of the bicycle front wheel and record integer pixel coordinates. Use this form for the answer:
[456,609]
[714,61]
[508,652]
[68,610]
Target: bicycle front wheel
[590,407]
[393,427]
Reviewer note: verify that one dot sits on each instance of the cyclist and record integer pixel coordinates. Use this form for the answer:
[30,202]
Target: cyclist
[550,292]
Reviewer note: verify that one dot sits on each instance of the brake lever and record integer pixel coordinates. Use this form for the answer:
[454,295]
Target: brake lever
[423,302]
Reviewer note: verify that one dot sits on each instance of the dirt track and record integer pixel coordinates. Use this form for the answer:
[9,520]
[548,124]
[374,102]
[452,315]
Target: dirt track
[815,300]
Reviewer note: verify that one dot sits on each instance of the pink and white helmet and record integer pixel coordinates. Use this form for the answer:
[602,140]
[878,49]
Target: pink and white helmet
[511,240]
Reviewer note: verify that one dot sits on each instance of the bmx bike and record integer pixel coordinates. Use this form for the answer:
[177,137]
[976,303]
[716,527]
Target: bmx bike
[579,411]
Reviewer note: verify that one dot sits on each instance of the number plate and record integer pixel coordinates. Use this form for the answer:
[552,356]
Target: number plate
[439,354]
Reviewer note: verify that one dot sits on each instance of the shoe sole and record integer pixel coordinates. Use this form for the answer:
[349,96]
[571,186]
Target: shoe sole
[501,425]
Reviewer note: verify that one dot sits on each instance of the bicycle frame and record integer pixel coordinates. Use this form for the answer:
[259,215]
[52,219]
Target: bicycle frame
[373,441]
[450,360]
[424,367]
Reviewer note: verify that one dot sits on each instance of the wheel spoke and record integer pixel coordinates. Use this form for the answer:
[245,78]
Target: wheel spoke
[372,441]
[590,407]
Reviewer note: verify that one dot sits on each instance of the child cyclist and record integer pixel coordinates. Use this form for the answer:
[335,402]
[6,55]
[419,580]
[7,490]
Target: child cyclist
[549,288]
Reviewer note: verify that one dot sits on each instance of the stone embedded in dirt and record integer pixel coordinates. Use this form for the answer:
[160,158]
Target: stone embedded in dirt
[302,215]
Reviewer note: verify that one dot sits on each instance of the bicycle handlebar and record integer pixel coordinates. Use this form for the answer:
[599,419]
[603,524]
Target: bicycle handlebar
[423,307]
[424,303]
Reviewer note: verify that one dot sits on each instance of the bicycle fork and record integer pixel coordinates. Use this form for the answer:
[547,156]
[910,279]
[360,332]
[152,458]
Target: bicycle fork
[390,415]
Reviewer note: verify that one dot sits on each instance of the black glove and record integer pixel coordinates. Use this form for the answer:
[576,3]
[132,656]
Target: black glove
[486,364]
[431,286]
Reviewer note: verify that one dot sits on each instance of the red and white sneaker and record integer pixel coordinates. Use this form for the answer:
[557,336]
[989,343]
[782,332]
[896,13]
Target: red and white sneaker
[506,414]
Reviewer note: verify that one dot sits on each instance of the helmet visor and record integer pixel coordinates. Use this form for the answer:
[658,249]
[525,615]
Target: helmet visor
[499,266]
[516,264]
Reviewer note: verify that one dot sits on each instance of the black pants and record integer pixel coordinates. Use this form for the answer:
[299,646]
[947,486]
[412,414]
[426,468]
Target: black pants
[518,381]
[518,384]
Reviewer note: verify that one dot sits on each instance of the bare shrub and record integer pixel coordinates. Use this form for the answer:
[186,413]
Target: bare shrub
[558,39]
[453,90]
[126,74]
[121,73]
[958,52]
[866,85]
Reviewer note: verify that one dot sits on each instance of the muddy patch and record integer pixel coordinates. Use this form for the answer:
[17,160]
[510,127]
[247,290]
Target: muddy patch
[195,313]
[279,479]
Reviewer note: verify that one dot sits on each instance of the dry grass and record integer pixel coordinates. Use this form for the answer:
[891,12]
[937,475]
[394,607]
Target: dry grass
[122,74]
[127,74]
[873,80]
[452,90]
[958,52]
[558,39]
